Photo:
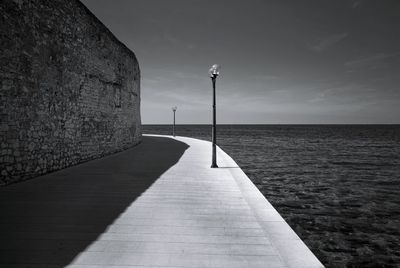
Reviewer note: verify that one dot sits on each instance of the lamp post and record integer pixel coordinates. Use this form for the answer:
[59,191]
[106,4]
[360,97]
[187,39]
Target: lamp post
[214,72]
[173,127]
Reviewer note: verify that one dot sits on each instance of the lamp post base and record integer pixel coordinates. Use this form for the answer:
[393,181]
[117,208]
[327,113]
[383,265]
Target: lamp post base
[214,152]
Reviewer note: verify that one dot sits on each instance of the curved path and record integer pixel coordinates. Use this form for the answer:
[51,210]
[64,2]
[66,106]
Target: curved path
[156,205]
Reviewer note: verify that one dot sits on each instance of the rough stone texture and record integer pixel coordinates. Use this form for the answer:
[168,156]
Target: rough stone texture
[70,91]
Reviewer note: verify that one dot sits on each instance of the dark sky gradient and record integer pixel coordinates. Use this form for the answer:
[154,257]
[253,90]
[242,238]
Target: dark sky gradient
[282,61]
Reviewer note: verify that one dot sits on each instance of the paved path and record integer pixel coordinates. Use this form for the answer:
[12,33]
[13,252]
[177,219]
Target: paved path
[156,205]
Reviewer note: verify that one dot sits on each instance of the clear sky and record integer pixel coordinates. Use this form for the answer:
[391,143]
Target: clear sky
[283,62]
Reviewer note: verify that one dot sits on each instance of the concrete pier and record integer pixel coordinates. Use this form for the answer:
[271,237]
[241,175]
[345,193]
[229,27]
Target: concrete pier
[156,205]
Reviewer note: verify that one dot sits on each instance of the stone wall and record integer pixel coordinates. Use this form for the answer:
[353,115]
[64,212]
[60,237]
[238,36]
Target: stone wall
[69,90]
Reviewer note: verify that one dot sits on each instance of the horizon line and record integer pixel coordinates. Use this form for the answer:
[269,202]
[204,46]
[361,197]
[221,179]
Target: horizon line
[275,124]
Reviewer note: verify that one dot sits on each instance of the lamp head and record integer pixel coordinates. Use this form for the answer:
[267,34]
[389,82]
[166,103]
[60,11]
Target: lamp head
[174,108]
[214,70]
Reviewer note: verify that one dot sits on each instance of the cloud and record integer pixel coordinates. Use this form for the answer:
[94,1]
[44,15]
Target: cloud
[357,4]
[328,41]
[345,93]
[171,39]
[370,60]
[266,77]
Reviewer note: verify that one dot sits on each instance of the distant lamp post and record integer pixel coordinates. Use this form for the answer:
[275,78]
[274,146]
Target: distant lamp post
[214,72]
[173,127]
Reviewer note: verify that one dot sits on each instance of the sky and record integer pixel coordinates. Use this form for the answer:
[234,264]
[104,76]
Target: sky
[282,61]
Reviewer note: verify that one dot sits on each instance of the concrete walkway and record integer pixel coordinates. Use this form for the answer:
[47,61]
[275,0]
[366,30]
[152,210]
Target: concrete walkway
[156,205]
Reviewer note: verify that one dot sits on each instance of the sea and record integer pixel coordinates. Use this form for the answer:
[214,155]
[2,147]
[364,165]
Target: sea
[337,186]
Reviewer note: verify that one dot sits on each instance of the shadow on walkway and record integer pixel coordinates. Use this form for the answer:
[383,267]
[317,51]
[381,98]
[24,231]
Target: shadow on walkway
[51,219]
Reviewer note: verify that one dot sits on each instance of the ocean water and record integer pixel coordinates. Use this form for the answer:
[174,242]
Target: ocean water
[338,186]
